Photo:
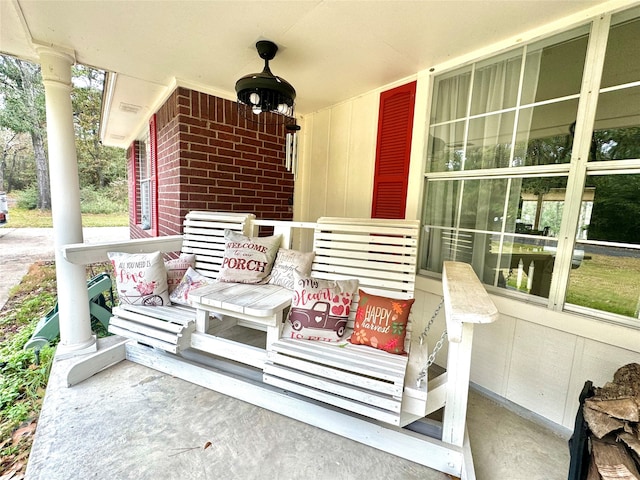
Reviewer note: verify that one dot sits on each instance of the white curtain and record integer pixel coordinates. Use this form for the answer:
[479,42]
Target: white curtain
[485,141]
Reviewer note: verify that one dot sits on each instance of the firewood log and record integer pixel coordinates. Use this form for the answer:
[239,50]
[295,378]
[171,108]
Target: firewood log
[613,461]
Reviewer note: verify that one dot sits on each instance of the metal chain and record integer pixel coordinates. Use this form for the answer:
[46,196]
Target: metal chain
[431,359]
[423,335]
[436,348]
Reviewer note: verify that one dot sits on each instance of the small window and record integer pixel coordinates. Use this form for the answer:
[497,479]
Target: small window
[147,182]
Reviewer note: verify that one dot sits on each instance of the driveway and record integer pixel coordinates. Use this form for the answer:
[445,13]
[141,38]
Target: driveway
[21,247]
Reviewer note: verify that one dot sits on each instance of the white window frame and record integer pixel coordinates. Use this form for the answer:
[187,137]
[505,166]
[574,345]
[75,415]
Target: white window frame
[576,171]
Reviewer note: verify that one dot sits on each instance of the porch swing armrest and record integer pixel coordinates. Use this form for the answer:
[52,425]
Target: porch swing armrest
[87,253]
[465,299]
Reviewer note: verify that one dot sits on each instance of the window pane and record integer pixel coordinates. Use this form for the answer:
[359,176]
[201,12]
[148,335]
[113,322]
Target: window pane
[622,61]
[489,141]
[145,204]
[144,178]
[615,215]
[451,96]
[545,134]
[616,133]
[446,147]
[541,207]
[495,85]
[554,67]
[609,277]
[525,264]
[472,204]
[143,160]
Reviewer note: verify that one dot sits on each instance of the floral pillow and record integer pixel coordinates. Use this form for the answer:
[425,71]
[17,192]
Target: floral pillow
[381,322]
[248,259]
[319,308]
[141,278]
[288,261]
[177,267]
[192,279]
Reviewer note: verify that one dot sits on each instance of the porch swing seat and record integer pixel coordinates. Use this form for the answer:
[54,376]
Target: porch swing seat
[382,255]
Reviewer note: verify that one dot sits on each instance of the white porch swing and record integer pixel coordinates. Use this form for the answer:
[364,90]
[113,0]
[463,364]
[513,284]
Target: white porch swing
[371,396]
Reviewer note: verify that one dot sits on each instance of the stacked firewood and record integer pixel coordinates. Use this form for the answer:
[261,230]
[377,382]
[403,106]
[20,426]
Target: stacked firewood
[613,417]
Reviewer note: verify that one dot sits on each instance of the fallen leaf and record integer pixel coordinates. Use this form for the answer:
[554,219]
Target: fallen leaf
[23,432]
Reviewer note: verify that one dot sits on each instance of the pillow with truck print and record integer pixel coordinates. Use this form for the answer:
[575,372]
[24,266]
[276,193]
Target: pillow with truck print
[319,308]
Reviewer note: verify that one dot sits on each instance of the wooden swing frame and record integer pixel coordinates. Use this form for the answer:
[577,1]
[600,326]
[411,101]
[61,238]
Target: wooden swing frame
[443,446]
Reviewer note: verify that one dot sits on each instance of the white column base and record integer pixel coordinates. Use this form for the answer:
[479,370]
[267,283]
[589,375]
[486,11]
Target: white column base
[75,350]
[111,350]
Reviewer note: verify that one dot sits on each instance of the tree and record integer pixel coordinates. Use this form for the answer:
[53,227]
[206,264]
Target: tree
[16,166]
[616,211]
[23,111]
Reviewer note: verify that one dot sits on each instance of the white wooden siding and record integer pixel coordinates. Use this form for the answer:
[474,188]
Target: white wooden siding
[534,365]
[338,160]
[569,349]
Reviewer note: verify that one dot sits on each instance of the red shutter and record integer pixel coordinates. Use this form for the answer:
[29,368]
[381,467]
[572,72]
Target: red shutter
[134,183]
[395,124]
[153,149]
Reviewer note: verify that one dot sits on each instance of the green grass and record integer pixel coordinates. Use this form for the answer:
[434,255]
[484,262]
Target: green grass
[100,208]
[24,218]
[23,375]
[602,282]
[607,283]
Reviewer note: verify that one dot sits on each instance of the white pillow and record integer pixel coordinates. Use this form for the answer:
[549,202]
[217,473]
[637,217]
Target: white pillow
[141,278]
[287,262]
[248,259]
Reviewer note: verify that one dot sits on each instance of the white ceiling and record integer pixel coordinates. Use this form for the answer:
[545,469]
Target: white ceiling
[329,50]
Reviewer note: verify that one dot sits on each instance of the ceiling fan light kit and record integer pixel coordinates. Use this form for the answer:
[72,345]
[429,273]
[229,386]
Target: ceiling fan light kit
[265,92]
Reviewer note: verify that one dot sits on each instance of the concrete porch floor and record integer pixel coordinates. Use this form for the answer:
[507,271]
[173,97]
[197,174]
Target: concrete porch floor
[132,422]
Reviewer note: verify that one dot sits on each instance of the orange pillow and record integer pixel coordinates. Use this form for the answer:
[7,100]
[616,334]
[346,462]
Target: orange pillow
[381,322]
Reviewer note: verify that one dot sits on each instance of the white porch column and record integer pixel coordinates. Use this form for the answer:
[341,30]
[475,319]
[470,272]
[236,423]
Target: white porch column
[76,337]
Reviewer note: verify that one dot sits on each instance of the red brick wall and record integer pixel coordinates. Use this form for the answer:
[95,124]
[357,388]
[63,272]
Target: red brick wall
[209,158]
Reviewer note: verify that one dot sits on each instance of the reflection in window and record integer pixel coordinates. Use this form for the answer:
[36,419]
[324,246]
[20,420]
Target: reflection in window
[621,61]
[517,116]
[616,133]
[610,277]
[545,134]
[504,227]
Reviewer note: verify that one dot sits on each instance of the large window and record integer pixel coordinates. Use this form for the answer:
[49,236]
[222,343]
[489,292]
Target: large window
[535,181]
